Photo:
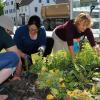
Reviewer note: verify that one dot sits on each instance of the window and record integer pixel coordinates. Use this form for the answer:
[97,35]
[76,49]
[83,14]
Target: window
[7,3]
[36,9]
[14,10]
[95,25]
[85,4]
[95,15]
[48,1]
[14,19]
[10,10]
[21,9]
[25,8]
[40,1]
[6,11]
[11,2]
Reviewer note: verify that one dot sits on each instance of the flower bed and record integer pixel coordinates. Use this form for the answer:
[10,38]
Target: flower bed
[62,74]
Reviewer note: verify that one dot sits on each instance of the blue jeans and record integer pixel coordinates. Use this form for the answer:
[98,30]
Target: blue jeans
[8,60]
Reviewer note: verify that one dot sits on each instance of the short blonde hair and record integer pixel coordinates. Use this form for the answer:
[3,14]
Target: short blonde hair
[84,17]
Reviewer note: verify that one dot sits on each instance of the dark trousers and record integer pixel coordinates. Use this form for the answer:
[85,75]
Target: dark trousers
[49,46]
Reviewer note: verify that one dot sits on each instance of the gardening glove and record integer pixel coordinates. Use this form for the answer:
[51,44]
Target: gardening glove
[28,61]
[41,50]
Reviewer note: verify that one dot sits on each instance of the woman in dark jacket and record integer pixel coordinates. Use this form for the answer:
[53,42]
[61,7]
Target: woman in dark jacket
[65,34]
[31,38]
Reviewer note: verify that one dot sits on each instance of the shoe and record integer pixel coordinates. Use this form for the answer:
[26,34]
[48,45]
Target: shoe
[3,97]
[16,78]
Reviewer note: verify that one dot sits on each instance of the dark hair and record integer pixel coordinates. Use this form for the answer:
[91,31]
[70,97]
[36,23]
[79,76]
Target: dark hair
[35,20]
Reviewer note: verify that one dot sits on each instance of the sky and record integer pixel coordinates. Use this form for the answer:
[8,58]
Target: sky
[3,0]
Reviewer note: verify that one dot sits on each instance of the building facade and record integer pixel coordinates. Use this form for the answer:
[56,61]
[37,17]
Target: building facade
[21,12]
[9,9]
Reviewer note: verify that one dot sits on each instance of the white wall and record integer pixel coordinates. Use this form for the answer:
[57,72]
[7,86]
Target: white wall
[29,10]
[9,7]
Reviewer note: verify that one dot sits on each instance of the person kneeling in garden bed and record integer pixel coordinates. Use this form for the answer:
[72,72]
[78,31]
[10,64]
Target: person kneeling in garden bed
[10,59]
[30,39]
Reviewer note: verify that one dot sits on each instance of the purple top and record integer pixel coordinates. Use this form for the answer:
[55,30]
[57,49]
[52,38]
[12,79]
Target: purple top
[68,32]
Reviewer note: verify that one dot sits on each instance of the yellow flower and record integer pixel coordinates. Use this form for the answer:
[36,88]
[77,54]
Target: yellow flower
[84,93]
[62,85]
[44,69]
[94,89]
[61,79]
[49,97]
[51,71]
[48,82]
[57,71]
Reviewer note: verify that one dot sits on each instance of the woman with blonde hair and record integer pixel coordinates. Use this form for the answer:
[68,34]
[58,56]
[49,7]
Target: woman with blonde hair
[65,34]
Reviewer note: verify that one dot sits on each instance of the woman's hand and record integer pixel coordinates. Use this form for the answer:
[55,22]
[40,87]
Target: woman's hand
[28,60]
[97,49]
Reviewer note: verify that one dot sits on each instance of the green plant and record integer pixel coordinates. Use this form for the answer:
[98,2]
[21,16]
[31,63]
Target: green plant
[75,73]
[54,80]
[59,60]
[38,63]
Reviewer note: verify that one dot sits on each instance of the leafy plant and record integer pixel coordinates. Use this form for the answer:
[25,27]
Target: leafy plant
[54,80]
[38,63]
[74,73]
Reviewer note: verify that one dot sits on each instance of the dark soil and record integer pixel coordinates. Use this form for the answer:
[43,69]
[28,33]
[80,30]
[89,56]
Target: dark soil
[24,89]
